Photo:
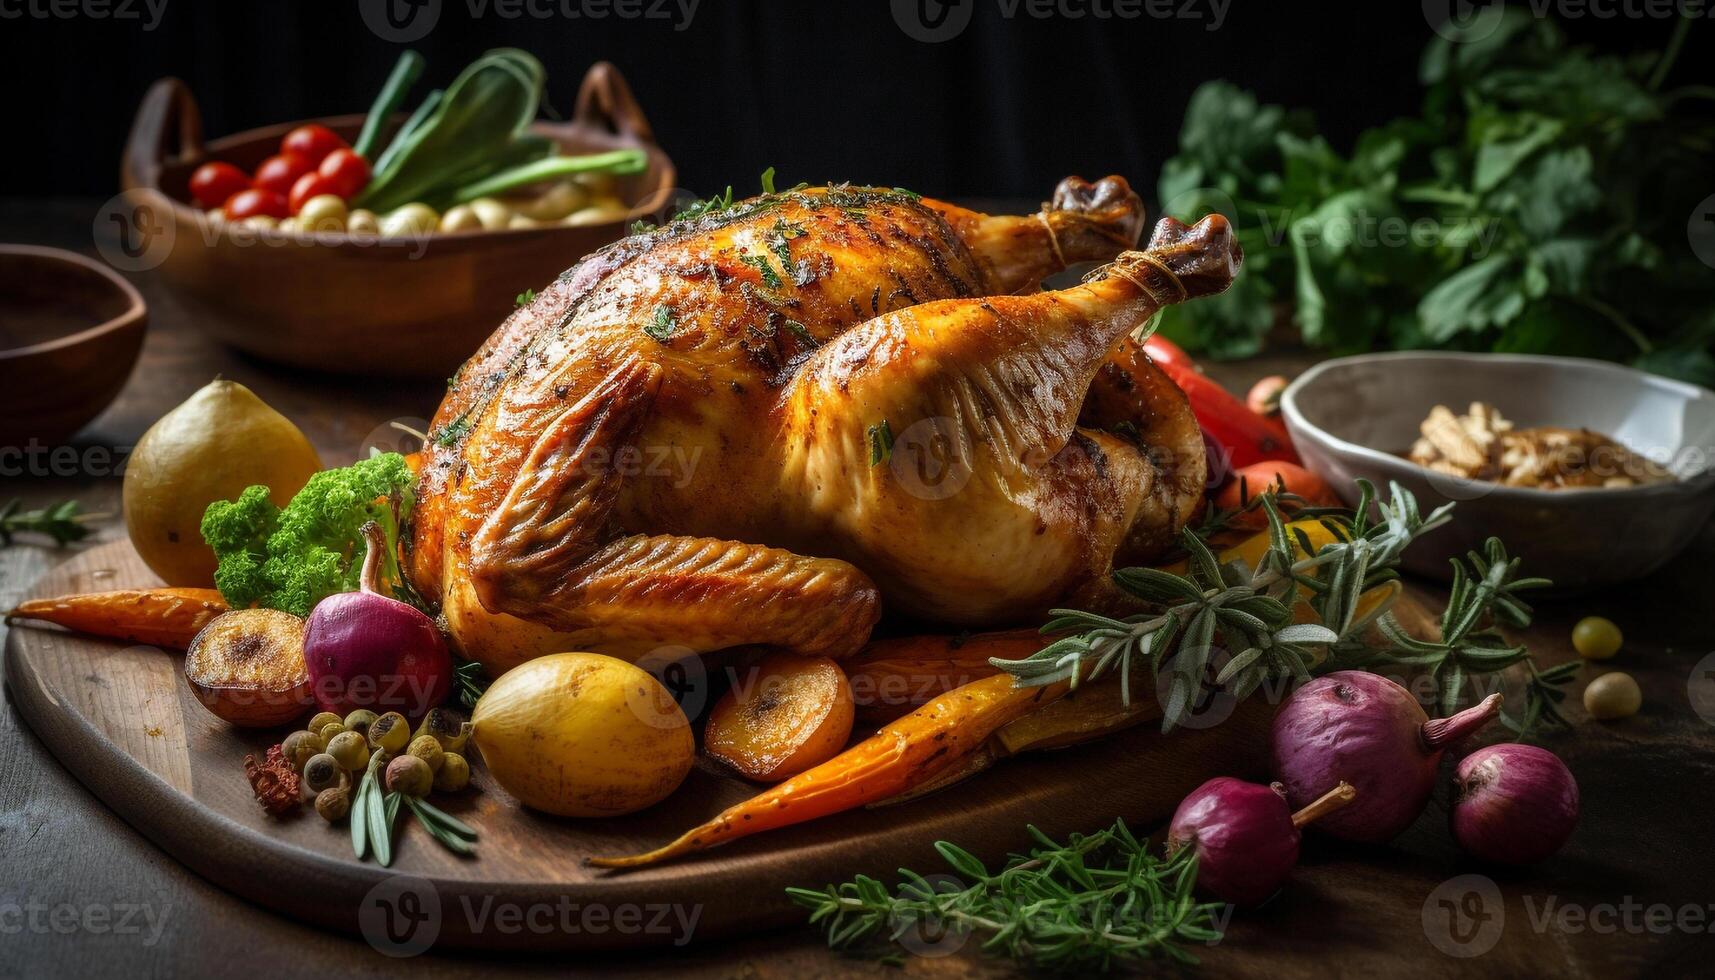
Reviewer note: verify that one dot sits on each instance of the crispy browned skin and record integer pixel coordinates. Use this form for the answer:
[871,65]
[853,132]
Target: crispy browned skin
[672,445]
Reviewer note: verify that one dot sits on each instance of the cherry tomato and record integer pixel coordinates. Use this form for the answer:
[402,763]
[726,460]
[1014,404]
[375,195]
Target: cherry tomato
[348,171]
[1256,478]
[310,185]
[312,142]
[279,172]
[255,201]
[213,183]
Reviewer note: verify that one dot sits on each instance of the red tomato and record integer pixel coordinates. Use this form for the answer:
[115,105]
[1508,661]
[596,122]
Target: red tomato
[312,142]
[255,201]
[213,183]
[310,185]
[279,172]
[1258,477]
[348,171]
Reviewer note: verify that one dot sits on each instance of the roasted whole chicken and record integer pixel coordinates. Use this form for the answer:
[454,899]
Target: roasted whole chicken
[762,424]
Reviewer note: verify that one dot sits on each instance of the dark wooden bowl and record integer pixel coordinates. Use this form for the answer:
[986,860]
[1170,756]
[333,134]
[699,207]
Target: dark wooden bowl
[359,304]
[70,330]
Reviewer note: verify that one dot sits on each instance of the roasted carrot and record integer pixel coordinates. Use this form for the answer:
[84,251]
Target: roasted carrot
[891,677]
[913,751]
[159,617]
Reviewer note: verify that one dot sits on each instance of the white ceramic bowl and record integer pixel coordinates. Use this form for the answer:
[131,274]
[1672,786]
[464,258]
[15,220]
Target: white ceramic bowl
[1353,416]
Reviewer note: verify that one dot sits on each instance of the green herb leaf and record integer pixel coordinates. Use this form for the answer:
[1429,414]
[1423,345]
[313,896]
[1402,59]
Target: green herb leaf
[662,325]
[880,442]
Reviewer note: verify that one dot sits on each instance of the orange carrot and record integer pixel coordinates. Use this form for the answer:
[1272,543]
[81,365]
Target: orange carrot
[891,677]
[912,751]
[160,617]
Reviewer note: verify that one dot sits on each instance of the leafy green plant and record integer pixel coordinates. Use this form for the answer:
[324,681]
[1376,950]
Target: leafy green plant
[1537,204]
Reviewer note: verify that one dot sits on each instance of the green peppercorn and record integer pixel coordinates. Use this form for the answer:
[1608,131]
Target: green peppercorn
[333,804]
[454,773]
[323,771]
[410,775]
[426,748]
[322,720]
[349,750]
[390,731]
[359,721]
[298,747]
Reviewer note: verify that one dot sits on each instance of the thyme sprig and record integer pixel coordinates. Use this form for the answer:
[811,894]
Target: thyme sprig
[63,522]
[1249,610]
[1086,904]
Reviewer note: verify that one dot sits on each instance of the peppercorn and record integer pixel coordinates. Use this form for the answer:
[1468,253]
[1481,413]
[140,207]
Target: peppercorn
[426,748]
[390,731]
[322,720]
[323,771]
[299,746]
[454,773]
[349,750]
[359,721]
[333,804]
[410,775]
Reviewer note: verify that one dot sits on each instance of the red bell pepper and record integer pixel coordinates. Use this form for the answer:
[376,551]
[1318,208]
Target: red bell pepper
[1245,436]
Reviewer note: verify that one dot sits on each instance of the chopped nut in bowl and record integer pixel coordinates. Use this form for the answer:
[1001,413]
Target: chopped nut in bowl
[1596,473]
[1484,445]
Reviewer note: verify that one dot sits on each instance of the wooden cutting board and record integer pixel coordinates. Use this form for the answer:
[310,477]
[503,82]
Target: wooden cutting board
[123,720]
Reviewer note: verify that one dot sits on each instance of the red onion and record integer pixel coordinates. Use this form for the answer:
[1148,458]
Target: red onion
[1246,837]
[1513,804]
[1367,730]
[366,650]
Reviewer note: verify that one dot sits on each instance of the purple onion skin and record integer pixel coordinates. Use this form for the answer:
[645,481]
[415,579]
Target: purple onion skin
[365,650]
[1245,839]
[1369,731]
[1513,804]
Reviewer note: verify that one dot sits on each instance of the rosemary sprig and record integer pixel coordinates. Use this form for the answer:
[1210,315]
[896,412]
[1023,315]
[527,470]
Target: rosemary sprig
[452,833]
[1095,900]
[64,522]
[1483,598]
[470,681]
[1249,610]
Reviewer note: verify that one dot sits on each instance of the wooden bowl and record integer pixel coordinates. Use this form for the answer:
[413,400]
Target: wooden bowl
[70,331]
[360,304]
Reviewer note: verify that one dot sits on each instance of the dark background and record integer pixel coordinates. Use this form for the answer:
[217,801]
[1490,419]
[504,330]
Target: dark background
[821,90]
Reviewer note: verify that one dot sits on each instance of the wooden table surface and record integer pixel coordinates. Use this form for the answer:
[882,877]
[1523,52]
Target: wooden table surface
[82,894]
